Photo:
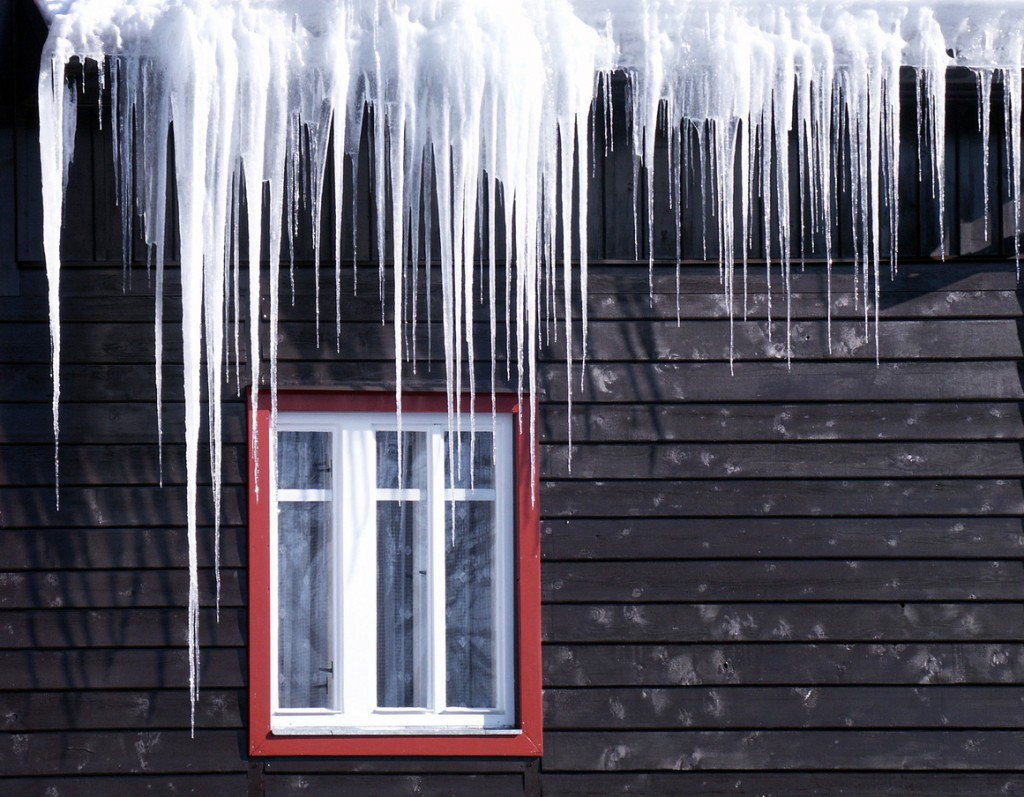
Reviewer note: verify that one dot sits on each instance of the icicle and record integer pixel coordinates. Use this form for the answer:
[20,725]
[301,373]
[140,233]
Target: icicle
[58,115]
[1012,112]
[984,77]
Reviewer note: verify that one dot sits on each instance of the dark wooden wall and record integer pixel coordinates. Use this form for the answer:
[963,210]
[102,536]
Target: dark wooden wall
[781,580]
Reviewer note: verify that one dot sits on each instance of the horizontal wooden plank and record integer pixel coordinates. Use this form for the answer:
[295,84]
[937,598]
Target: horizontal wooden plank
[785,784]
[95,296]
[113,507]
[105,549]
[630,279]
[829,460]
[126,383]
[914,277]
[109,507]
[97,589]
[775,538]
[114,753]
[734,707]
[846,421]
[701,341]
[134,668]
[795,498]
[995,380]
[426,784]
[24,712]
[79,305]
[165,785]
[127,423]
[780,750]
[131,423]
[783,580]
[140,464]
[774,382]
[610,341]
[105,628]
[620,278]
[88,343]
[783,664]
[605,305]
[109,464]
[766,622]
[698,299]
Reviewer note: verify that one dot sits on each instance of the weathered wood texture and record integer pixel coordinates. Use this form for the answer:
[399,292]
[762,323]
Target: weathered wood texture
[805,575]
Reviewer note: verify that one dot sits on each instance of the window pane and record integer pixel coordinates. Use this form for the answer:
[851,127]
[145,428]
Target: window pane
[477,449]
[414,460]
[402,593]
[469,604]
[303,595]
[304,460]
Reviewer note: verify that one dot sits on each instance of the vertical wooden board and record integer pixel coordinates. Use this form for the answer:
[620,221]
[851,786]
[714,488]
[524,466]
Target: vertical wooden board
[108,237]
[994,182]
[928,206]
[755,232]
[362,209]
[950,243]
[595,180]
[80,220]
[338,207]
[975,229]
[620,204]
[699,221]
[811,242]
[172,232]
[843,192]
[29,223]
[8,204]
[1011,217]
[8,183]
[909,196]
[665,232]
[27,33]
[8,60]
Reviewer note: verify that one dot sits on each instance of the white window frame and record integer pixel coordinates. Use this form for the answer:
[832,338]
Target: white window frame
[353,580]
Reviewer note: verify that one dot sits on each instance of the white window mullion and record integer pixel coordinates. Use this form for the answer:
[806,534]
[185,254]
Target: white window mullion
[438,507]
[359,571]
[337,592]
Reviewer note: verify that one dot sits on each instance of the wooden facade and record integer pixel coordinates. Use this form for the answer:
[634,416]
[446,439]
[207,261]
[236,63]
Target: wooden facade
[775,579]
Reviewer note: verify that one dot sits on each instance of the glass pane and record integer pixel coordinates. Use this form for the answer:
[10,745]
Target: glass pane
[478,451]
[402,594]
[414,460]
[469,604]
[303,594]
[304,460]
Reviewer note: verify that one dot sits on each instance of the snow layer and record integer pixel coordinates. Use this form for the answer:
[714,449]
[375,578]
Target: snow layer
[480,113]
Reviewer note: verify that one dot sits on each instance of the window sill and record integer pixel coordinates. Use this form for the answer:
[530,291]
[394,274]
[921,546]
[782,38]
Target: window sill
[402,731]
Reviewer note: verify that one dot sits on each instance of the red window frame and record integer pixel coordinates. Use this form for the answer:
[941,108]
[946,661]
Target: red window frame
[529,740]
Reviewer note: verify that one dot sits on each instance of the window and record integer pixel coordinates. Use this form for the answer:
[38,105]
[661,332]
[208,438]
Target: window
[394,581]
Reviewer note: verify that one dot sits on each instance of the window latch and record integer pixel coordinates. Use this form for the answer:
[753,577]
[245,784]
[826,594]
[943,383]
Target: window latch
[326,684]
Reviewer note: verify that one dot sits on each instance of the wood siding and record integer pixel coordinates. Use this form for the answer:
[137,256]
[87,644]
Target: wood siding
[771,578]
